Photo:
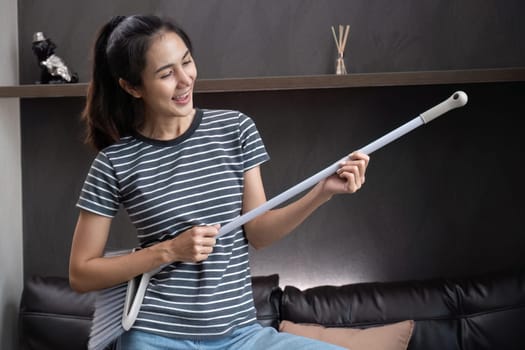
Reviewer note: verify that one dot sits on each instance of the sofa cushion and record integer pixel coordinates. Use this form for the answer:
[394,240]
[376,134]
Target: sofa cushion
[388,337]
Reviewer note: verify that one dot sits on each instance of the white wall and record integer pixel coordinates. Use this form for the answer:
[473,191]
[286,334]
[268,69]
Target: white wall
[11,269]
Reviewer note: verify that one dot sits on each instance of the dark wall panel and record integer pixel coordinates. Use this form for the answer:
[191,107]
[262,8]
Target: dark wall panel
[54,165]
[444,200]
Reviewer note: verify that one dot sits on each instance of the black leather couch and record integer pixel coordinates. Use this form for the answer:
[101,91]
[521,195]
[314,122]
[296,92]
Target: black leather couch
[472,313]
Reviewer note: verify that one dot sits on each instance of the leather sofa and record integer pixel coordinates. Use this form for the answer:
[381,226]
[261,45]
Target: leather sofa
[471,313]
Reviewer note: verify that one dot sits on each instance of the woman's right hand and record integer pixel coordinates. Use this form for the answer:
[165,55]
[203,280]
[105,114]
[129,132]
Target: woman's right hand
[192,245]
[90,270]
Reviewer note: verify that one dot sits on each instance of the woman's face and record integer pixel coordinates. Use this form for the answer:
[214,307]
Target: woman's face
[168,79]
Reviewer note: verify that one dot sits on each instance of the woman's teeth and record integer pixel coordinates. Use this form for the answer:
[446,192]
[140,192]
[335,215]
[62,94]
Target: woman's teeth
[181,97]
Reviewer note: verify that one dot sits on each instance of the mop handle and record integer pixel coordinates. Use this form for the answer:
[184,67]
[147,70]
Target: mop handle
[458,99]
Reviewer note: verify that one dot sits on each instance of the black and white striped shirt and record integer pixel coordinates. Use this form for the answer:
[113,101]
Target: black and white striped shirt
[168,187]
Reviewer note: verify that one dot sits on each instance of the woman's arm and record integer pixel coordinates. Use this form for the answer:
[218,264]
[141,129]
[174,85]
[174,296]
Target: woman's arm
[90,270]
[277,223]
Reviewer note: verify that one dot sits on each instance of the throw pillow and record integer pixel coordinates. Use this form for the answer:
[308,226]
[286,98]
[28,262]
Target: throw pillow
[388,337]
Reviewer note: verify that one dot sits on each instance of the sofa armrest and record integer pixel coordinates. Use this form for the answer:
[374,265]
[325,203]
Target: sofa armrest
[53,316]
[267,298]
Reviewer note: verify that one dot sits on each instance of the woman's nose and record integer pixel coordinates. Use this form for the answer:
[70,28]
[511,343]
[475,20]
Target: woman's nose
[183,78]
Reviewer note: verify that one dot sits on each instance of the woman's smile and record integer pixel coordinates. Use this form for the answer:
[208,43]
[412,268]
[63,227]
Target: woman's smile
[183,98]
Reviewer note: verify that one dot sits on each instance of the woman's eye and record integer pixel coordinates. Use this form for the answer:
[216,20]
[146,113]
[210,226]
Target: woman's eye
[166,75]
[186,62]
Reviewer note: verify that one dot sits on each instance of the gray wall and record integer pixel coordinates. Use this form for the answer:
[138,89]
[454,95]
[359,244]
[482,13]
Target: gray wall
[236,38]
[443,201]
[11,256]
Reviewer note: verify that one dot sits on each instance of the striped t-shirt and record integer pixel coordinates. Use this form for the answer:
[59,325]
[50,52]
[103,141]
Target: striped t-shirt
[168,187]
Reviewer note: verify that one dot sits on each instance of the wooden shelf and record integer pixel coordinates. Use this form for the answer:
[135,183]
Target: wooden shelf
[300,82]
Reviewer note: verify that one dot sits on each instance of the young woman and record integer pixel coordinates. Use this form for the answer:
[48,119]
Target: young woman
[180,172]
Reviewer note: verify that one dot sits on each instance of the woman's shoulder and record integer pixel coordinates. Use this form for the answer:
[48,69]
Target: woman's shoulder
[225,115]
[124,145]
[207,112]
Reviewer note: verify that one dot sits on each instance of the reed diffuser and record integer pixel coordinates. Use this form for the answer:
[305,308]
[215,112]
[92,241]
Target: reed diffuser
[340,42]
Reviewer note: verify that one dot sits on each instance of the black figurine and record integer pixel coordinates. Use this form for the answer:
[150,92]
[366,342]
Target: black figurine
[53,68]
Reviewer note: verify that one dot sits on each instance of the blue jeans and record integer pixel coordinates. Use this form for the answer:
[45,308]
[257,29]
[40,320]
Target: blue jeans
[254,337]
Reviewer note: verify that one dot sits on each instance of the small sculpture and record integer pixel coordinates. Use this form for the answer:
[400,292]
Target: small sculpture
[53,68]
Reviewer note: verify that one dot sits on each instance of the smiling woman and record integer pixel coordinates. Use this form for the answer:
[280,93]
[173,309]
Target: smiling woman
[181,173]
[167,88]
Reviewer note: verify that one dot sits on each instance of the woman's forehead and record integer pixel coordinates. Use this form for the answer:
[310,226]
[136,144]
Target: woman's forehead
[165,48]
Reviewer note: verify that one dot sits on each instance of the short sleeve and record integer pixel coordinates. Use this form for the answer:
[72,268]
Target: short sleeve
[254,152]
[100,192]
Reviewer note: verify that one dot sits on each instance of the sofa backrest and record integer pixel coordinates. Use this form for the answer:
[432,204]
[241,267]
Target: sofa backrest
[481,312]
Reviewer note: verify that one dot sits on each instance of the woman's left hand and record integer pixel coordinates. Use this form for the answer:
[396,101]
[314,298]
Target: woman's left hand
[350,177]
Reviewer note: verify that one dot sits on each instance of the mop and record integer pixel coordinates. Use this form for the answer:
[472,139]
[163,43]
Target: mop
[116,308]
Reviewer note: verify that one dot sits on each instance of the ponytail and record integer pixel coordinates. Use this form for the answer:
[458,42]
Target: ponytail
[101,110]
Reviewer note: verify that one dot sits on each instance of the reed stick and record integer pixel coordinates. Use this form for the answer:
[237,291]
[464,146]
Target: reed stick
[340,42]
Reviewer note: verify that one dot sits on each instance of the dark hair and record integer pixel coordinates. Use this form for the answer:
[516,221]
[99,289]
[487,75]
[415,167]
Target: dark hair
[120,52]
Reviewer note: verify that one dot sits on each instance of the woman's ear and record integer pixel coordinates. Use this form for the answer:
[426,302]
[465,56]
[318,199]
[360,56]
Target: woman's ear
[130,89]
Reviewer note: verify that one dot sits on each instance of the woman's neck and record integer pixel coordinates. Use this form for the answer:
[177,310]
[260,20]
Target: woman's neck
[166,128]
